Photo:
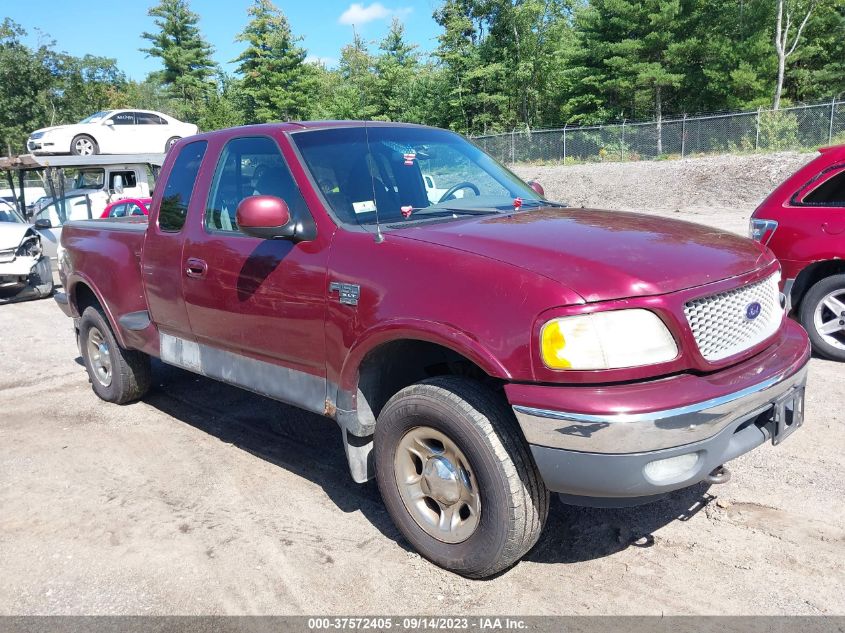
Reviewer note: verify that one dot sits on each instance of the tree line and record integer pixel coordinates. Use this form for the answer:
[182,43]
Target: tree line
[498,65]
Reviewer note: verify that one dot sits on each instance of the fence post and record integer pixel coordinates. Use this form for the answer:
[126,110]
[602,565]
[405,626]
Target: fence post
[564,142]
[830,126]
[757,137]
[622,150]
[684,136]
[513,146]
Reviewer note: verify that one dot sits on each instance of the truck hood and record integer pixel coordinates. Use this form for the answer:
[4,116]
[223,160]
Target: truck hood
[602,255]
[11,234]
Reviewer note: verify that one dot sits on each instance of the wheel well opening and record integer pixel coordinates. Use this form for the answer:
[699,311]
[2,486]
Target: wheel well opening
[84,297]
[398,364]
[811,275]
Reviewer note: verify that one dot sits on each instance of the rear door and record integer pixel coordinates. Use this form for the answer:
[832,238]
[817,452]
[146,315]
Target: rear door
[162,264]
[153,132]
[257,307]
[820,207]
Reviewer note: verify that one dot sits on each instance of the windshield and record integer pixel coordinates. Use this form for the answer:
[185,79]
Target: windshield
[98,116]
[8,214]
[398,175]
[89,179]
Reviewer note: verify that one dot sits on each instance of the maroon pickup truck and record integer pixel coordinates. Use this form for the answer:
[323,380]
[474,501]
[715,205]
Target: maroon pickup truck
[478,345]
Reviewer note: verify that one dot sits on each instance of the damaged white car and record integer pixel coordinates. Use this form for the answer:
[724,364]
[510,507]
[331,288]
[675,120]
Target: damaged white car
[25,271]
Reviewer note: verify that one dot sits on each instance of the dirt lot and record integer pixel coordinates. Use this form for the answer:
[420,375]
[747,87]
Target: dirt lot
[206,499]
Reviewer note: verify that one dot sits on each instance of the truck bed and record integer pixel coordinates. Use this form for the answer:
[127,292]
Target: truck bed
[109,253]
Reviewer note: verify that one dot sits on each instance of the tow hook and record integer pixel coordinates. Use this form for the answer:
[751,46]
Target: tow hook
[719,475]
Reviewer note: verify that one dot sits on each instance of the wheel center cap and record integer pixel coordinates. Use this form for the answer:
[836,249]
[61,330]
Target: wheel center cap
[440,480]
[103,349]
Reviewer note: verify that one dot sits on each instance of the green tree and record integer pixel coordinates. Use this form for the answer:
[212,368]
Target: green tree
[624,64]
[26,88]
[87,84]
[276,81]
[354,96]
[223,107]
[186,56]
[397,68]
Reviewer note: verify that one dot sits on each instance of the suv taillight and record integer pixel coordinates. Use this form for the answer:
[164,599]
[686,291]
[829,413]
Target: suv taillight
[762,230]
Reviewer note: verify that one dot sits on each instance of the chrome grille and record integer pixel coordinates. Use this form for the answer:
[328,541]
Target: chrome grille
[721,325]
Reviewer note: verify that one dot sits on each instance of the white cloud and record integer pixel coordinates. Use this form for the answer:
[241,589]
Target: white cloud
[359,14]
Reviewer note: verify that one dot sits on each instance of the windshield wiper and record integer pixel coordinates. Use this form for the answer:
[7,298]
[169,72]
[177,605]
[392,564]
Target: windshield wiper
[534,204]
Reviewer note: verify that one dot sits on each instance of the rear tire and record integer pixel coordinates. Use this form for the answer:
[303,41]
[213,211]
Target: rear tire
[171,142]
[117,375]
[475,454]
[822,314]
[84,145]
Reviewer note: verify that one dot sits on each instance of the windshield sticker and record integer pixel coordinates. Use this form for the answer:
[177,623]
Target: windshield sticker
[409,157]
[365,206]
[407,211]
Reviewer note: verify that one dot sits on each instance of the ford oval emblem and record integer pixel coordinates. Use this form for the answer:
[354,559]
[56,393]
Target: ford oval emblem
[752,310]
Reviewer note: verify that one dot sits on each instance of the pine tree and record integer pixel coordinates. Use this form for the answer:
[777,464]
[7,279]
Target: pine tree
[354,96]
[275,78]
[188,67]
[396,67]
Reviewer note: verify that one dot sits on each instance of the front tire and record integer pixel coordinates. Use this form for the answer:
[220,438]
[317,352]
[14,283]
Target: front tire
[117,375]
[84,145]
[457,477]
[822,314]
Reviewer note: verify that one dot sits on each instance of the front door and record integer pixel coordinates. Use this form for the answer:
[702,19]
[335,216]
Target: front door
[257,307]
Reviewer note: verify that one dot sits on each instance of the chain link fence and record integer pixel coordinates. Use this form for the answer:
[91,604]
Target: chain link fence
[799,127]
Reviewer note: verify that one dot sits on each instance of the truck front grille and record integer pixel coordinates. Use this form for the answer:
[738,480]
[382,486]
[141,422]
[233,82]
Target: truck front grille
[725,324]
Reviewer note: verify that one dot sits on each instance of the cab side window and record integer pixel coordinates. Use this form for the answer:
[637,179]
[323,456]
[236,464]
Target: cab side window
[180,186]
[249,166]
[831,193]
[128,177]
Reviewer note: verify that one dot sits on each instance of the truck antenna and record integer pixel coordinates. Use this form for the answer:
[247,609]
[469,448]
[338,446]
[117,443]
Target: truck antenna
[379,235]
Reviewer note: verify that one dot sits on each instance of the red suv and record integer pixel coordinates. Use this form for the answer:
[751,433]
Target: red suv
[803,222]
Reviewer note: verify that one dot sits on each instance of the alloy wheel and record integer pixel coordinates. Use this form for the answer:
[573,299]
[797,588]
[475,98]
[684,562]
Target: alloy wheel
[437,485]
[829,318]
[99,356]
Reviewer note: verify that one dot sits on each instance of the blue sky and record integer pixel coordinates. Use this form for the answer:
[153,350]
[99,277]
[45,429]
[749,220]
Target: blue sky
[113,29]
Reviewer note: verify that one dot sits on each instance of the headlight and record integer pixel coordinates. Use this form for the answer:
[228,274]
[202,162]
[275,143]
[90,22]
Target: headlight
[36,135]
[30,247]
[762,230]
[606,340]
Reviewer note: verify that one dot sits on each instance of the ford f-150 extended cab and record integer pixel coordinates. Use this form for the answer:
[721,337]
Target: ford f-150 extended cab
[477,351]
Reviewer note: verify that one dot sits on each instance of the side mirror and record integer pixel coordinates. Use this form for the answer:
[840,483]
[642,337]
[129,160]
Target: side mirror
[265,217]
[109,122]
[537,187]
[43,223]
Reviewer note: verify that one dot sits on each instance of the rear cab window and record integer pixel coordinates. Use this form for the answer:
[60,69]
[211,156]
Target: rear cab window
[180,186]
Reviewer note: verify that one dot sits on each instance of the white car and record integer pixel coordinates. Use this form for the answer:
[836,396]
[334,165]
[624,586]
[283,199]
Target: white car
[112,132]
[25,271]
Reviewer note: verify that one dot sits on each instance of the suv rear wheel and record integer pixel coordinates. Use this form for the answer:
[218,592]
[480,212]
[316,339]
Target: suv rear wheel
[457,477]
[822,314]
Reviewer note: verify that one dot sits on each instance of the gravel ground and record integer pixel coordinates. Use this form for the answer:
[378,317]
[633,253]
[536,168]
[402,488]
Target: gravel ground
[206,499]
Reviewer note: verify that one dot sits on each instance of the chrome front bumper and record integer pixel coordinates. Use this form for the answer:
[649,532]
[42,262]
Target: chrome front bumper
[634,433]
